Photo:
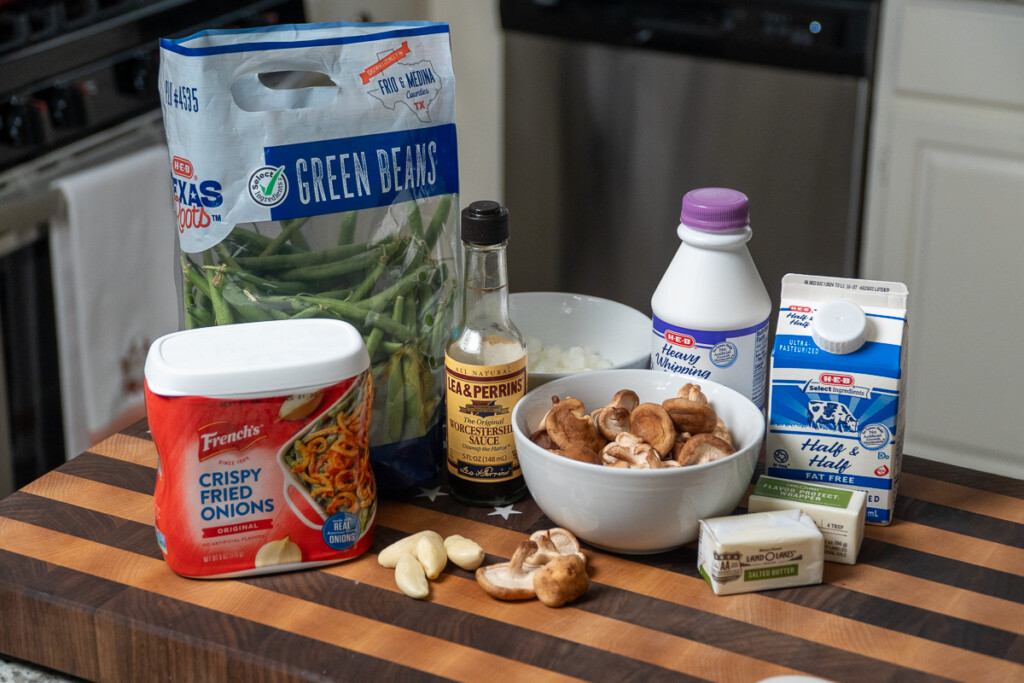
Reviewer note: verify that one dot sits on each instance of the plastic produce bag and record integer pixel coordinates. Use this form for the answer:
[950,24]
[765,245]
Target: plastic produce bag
[315,174]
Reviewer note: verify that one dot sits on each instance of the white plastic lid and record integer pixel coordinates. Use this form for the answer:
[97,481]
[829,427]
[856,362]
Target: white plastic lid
[839,327]
[265,358]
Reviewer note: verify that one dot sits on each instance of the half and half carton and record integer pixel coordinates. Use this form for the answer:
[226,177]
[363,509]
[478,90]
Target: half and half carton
[837,395]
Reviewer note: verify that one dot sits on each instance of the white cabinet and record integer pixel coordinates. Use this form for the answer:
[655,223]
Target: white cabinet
[945,215]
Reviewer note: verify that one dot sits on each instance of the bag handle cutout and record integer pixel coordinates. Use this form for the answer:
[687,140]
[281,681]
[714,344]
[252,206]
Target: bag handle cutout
[283,90]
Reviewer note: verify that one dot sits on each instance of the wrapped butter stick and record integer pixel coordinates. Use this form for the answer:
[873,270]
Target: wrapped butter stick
[760,551]
[839,513]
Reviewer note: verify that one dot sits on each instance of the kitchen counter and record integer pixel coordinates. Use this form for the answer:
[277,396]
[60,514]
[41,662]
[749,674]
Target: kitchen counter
[83,590]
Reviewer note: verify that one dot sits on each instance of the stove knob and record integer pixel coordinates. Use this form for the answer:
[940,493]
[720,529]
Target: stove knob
[138,76]
[23,123]
[67,106]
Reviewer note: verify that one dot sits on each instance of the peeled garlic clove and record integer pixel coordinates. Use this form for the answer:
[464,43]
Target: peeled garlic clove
[282,551]
[464,552]
[431,553]
[300,406]
[410,577]
[389,556]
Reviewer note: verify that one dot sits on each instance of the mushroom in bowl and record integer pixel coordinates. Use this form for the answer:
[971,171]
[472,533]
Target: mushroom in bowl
[642,505]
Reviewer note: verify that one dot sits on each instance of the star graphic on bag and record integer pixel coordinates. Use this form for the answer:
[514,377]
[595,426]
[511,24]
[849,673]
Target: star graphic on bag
[504,511]
[431,493]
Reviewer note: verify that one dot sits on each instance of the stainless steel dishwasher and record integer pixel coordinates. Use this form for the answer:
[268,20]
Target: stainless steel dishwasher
[614,110]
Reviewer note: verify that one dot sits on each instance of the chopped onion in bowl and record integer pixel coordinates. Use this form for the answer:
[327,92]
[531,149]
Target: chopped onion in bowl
[555,359]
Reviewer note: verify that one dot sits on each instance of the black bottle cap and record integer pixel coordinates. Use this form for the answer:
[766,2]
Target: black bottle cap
[485,222]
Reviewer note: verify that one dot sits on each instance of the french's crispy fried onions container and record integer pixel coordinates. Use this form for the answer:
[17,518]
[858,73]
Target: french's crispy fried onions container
[262,434]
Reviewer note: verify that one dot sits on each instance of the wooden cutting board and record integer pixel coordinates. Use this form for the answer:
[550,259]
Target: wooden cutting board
[83,589]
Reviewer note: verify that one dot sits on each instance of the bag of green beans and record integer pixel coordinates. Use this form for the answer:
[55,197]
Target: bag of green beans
[315,174]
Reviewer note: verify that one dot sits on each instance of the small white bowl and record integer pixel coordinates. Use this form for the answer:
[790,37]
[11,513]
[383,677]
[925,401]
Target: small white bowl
[619,333]
[631,510]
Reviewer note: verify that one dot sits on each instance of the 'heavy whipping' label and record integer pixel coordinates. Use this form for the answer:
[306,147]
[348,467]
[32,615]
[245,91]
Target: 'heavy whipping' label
[479,400]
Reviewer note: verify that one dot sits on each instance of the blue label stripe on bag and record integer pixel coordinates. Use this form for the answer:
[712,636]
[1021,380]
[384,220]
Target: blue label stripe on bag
[347,174]
[402,30]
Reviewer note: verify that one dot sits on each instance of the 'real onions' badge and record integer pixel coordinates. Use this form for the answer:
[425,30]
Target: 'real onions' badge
[268,185]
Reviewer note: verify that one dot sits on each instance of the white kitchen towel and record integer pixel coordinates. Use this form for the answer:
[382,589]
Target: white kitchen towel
[113,254]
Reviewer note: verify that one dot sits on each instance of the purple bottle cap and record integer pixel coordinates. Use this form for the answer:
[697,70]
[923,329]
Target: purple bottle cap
[715,208]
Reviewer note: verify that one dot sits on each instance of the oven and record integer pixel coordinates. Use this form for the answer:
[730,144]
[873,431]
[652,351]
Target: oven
[78,94]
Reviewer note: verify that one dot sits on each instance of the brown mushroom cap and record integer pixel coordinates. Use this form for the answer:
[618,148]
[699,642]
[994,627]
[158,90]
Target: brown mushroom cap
[561,580]
[691,416]
[552,543]
[630,449]
[543,439]
[568,423]
[652,423]
[722,432]
[613,419]
[512,580]
[703,448]
[692,392]
[578,453]
[544,420]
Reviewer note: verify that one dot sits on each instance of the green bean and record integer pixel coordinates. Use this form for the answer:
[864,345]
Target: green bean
[373,275]
[200,316]
[267,285]
[299,260]
[247,304]
[250,240]
[411,306]
[383,298]
[221,311]
[225,256]
[411,378]
[376,335]
[396,398]
[347,230]
[361,317]
[311,312]
[344,266]
[288,228]
[197,279]
[444,207]
[415,220]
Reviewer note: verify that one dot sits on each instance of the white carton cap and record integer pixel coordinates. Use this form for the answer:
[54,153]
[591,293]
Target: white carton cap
[839,327]
[264,358]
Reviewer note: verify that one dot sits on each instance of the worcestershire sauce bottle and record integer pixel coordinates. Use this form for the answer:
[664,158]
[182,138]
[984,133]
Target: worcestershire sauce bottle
[485,369]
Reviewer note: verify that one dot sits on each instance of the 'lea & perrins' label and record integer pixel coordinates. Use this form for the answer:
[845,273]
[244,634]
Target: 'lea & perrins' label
[479,401]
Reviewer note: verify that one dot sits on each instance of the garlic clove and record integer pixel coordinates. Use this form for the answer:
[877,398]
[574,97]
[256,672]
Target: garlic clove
[389,556]
[464,552]
[430,551]
[281,551]
[410,577]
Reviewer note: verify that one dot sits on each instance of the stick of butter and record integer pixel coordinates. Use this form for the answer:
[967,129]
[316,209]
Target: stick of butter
[839,513]
[760,551]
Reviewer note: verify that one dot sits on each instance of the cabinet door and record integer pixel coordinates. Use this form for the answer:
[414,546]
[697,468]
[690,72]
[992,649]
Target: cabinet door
[946,216]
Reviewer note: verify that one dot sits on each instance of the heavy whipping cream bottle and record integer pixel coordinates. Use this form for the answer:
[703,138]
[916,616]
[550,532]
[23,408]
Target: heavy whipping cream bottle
[711,308]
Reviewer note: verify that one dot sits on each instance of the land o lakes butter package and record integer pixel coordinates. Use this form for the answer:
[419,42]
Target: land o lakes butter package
[837,395]
[760,551]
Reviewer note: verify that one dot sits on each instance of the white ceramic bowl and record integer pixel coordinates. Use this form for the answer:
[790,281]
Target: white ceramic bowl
[636,511]
[619,333]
